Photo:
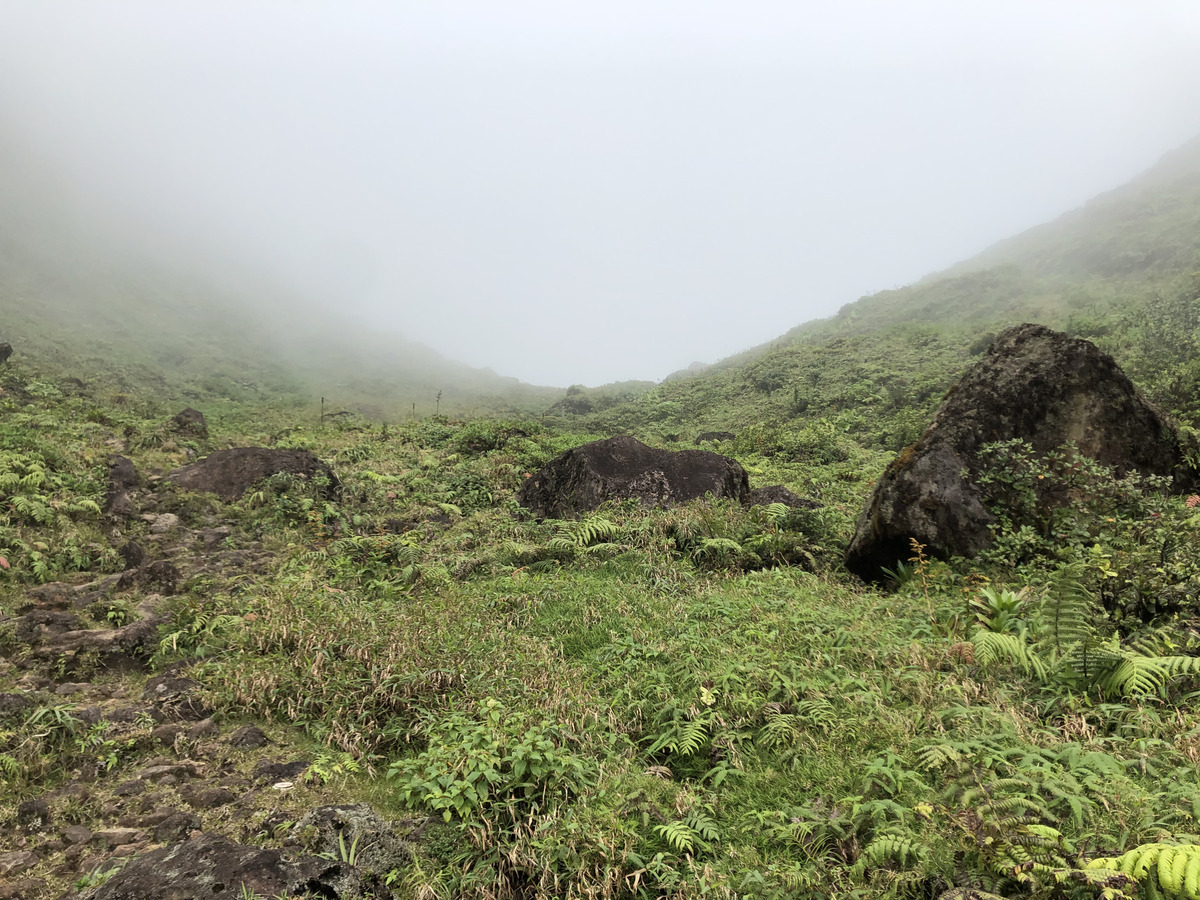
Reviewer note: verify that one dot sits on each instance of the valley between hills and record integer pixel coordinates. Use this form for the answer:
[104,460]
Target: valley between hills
[354,658]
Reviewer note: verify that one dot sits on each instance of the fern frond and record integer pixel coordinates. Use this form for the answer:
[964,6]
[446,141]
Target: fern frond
[995,647]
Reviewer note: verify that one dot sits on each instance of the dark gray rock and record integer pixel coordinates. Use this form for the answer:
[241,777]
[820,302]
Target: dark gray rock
[189,422]
[622,468]
[715,436]
[230,473]
[326,830]
[1035,384]
[249,737]
[6,351]
[123,481]
[213,866]
[33,815]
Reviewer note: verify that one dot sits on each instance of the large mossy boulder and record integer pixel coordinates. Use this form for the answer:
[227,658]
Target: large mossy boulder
[230,473]
[1033,384]
[622,468]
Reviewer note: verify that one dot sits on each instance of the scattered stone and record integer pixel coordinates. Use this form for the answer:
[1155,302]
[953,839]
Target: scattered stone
[623,468]
[176,826]
[165,734]
[202,729]
[123,479]
[134,554]
[777,493]
[130,713]
[249,737]
[207,798]
[115,837]
[129,788]
[266,770]
[210,865]
[42,624]
[14,705]
[6,351]
[230,473]
[177,696]
[189,422]
[33,815]
[160,576]
[326,829]
[77,834]
[125,648]
[71,687]
[23,889]
[1034,384]
[161,523]
[54,595]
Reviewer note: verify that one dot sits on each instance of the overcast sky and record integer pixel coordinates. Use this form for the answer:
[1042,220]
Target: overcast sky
[590,191]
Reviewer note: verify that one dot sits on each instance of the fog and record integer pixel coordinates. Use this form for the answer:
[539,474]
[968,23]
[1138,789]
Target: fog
[581,192]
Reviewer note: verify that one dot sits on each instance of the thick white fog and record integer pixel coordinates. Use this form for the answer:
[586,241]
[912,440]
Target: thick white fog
[592,191]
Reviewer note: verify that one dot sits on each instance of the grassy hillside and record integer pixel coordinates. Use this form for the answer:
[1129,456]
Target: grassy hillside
[1121,271]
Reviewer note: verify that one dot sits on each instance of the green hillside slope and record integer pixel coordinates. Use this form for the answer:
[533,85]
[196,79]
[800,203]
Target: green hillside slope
[1120,271]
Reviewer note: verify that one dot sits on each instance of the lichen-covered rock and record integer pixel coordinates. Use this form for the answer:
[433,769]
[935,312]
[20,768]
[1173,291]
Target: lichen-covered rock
[213,866]
[230,473]
[622,468]
[189,422]
[1035,384]
[334,830]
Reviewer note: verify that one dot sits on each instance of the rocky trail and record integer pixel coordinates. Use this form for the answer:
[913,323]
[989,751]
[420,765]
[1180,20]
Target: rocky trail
[161,796]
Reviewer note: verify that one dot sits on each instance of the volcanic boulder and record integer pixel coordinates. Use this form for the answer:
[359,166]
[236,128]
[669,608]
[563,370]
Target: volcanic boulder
[189,422]
[621,468]
[1035,384]
[229,473]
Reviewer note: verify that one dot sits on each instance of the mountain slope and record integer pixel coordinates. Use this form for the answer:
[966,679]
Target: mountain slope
[1119,271]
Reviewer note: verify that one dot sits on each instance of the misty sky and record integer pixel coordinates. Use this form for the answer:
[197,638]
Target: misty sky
[589,191]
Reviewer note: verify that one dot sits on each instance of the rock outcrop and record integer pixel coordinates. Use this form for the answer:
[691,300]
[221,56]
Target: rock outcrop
[623,468]
[190,423]
[230,473]
[777,493]
[1035,384]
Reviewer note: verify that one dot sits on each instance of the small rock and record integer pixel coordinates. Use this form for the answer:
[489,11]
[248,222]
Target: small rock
[129,788]
[71,687]
[17,861]
[164,522]
[202,729]
[165,734]
[190,422]
[267,770]
[77,834]
[249,737]
[33,815]
[23,889]
[115,837]
[176,827]
[209,798]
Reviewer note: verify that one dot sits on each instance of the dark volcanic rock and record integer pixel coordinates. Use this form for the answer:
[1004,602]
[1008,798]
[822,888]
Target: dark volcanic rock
[190,422]
[229,473]
[5,351]
[715,436]
[777,493]
[1035,384]
[326,829]
[622,468]
[210,865]
[122,479]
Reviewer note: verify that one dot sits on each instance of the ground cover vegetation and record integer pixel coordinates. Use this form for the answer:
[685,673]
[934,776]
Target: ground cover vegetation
[658,702]
[696,701]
